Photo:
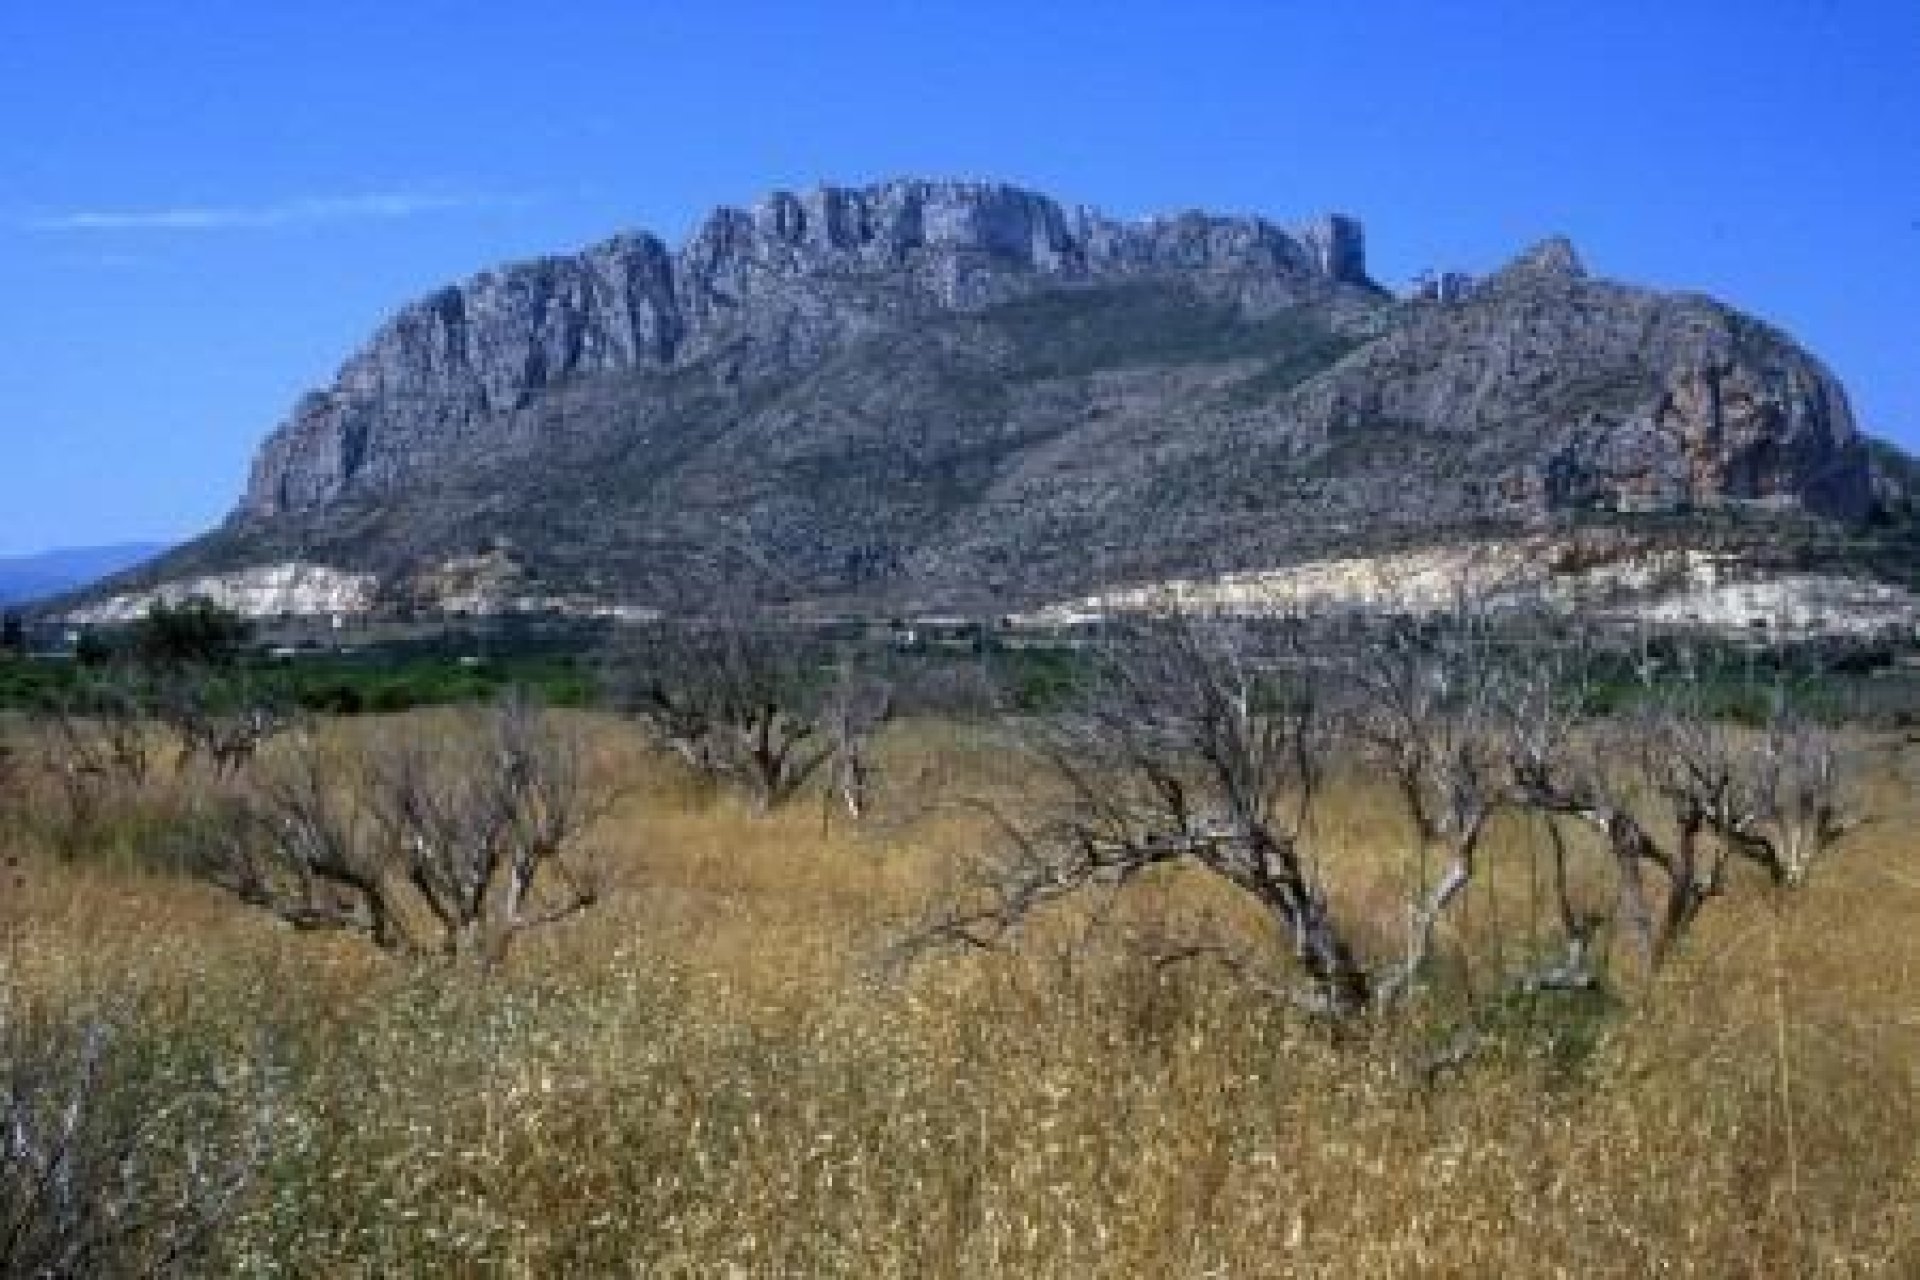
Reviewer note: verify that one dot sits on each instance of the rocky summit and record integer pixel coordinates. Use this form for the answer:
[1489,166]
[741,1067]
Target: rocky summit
[968,395]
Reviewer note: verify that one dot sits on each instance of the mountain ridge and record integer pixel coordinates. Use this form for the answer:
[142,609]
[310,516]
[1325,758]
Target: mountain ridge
[631,303]
[39,574]
[972,395]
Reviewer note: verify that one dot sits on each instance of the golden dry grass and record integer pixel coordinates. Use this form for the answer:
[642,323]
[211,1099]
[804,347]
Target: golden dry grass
[709,1075]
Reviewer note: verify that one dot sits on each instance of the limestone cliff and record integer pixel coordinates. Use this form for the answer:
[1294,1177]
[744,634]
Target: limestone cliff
[797,272]
[967,394]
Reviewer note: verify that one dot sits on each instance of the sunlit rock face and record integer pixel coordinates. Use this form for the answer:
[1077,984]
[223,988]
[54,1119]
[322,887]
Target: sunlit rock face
[1607,580]
[268,591]
[969,395]
[1579,393]
[806,266]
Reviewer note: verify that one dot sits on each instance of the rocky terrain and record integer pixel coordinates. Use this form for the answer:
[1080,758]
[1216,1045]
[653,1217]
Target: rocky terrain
[264,591]
[1627,581]
[967,395]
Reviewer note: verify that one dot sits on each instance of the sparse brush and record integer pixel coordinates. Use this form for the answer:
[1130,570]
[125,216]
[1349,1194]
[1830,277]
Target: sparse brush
[450,844]
[119,1155]
[703,1076]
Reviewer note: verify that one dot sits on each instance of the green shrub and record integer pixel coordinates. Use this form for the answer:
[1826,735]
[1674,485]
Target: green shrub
[196,632]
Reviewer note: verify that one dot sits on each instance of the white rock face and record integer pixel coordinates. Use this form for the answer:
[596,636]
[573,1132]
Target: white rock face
[1668,588]
[295,588]
[1414,582]
[1801,602]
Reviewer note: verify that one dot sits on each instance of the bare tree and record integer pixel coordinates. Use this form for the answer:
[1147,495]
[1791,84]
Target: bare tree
[1205,740]
[12,795]
[751,706]
[96,744]
[296,839]
[856,706]
[1797,800]
[1576,967]
[453,844]
[1423,701]
[1671,788]
[1563,768]
[1185,748]
[108,1169]
[101,729]
[222,721]
[480,828]
[12,771]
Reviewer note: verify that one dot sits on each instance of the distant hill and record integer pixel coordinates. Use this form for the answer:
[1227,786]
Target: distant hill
[27,578]
[971,396]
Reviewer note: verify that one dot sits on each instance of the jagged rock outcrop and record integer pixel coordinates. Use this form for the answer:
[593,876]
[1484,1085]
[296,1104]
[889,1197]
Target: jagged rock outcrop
[796,273]
[1640,399]
[970,395]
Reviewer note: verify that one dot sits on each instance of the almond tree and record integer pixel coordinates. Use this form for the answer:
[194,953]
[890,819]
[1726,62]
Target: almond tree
[450,843]
[855,708]
[1205,740]
[221,721]
[1423,700]
[1184,748]
[479,828]
[96,744]
[753,707]
[1675,791]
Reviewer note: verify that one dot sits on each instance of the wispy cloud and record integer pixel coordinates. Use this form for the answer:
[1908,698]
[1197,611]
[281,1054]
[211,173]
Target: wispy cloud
[101,261]
[373,206]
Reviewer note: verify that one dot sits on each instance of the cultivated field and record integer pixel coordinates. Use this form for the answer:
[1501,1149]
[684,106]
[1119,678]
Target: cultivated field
[721,1069]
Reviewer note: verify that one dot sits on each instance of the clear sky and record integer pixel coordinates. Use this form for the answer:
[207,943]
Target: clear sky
[206,204]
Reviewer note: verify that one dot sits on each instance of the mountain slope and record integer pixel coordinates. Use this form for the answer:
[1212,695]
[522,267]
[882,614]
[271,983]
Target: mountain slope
[961,395]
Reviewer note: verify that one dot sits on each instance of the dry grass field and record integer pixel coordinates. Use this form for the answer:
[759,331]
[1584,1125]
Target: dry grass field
[718,1072]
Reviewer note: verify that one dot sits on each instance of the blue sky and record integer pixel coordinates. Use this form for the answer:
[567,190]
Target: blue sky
[206,204]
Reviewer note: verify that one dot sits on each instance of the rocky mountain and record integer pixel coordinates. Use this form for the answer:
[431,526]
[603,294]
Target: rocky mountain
[939,394]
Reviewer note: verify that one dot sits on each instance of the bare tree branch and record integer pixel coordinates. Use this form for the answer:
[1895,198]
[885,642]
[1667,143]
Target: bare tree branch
[101,1171]
[752,706]
[454,843]
[1184,748]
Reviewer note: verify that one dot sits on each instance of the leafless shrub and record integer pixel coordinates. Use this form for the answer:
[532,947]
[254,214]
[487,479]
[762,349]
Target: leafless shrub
[454,844]
[751,707]
[1423,700]
[1671,788]
[111,1164]
[1183,749]
[96,746]
[222,722]
[1206,739]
